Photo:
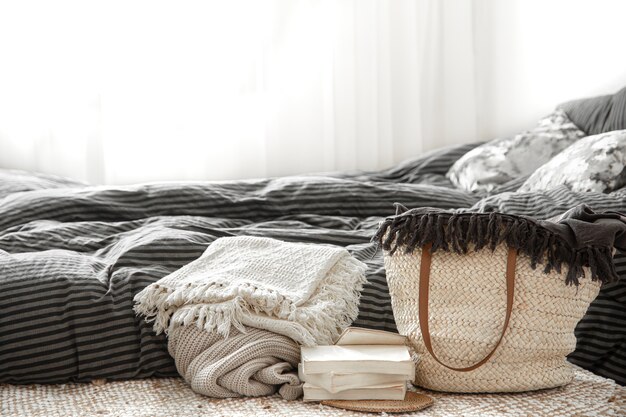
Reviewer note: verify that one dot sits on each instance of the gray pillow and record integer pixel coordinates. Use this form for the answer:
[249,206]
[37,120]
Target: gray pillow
[487,166]
[595,163]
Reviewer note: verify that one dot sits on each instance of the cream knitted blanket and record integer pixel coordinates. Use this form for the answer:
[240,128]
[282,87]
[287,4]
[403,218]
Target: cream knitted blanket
[308,293]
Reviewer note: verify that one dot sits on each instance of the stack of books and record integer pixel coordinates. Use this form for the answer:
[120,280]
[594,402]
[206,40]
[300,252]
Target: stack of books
[364,364]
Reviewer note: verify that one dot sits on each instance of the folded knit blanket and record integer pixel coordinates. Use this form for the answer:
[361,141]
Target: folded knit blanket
[251,364]
[308,293]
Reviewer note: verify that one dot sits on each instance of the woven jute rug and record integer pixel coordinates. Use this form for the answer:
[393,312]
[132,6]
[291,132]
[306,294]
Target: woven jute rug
[587,395]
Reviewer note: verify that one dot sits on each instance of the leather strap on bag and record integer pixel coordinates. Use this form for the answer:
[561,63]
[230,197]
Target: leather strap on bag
[423,304]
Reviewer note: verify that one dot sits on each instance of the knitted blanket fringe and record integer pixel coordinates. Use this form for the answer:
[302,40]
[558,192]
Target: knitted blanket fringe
[194,301]
[219,304]
[460,232]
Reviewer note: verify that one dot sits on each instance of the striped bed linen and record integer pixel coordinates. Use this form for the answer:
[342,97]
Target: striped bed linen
[73,256]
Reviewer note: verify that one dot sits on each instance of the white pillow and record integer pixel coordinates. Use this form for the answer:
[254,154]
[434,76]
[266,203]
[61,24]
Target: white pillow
[595,163]
[501,160]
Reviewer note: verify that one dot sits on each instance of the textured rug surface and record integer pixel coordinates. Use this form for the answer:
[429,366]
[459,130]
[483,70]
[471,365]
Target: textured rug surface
[587,395]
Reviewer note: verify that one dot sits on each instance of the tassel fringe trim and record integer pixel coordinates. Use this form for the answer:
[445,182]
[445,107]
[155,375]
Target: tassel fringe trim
[459,232]
[216,306]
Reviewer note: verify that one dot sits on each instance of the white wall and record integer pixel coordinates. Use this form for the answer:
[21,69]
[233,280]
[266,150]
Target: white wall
[539,53]
[128,91]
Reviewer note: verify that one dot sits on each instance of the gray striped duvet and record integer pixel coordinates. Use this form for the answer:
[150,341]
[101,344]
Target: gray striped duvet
[73,256]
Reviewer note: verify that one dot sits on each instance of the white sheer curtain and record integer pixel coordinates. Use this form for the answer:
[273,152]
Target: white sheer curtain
[132,91]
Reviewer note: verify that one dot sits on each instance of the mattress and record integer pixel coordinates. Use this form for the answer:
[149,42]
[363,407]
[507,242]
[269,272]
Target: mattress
[72,256]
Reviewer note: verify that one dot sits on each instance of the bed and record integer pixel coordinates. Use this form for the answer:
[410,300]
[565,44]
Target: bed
[72,256]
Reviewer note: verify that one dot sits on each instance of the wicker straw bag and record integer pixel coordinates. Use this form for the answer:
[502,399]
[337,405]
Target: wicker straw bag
[483,320]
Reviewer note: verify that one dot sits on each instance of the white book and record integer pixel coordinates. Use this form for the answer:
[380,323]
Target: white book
[362,336]
[396,392]
[334,383]
[380,359]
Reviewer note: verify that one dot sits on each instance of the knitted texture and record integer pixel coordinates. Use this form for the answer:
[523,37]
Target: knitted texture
[309,293]
[251,364]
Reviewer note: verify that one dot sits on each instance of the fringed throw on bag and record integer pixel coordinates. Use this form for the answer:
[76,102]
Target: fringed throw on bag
[466,290]
[578,238]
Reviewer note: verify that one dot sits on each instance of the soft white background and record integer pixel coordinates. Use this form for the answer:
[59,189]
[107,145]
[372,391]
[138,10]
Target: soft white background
[129,91]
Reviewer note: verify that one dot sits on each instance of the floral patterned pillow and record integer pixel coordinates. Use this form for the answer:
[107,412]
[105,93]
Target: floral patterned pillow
[494,163]
[596,163]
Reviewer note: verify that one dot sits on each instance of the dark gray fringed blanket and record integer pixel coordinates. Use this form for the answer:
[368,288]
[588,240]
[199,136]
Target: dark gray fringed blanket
[578,238]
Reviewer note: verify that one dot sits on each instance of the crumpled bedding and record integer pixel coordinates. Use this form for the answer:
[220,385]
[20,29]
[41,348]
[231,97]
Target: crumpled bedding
[73,256]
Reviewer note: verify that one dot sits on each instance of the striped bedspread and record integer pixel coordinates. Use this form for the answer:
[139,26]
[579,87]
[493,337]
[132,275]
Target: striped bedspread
[73,256]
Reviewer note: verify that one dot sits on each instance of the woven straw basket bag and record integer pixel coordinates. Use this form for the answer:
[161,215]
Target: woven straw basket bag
[478,314]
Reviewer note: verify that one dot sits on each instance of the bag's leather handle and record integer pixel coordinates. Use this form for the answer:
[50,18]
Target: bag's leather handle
[423,304]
